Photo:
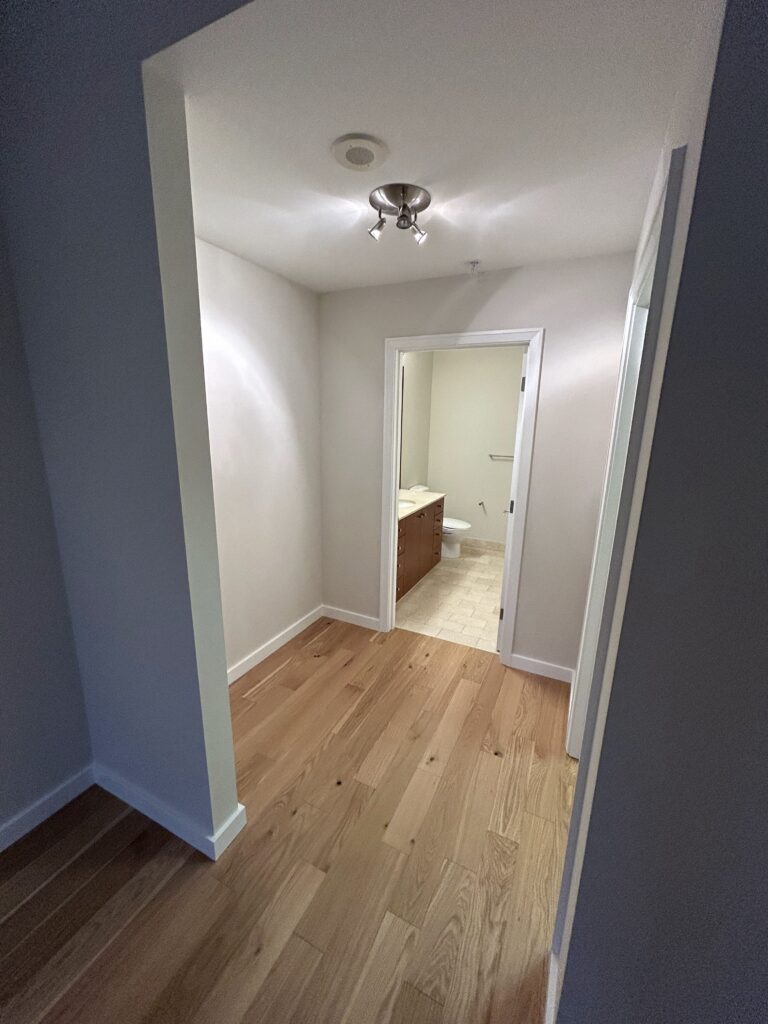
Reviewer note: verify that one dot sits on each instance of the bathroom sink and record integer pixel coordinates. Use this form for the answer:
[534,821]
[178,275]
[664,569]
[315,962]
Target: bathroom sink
[403,504]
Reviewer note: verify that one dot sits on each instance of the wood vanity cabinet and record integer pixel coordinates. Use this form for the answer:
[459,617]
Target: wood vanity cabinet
[419,543]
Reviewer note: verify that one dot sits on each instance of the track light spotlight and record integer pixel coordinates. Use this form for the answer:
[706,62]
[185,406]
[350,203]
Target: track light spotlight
[418,234]
[378,227]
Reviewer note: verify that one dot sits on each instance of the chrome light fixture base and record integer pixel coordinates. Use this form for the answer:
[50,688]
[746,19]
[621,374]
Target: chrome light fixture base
[403,202]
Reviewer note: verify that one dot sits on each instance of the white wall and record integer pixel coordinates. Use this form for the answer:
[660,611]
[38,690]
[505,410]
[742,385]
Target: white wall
[475,395]
[417,409]
[261,352]
[581,305]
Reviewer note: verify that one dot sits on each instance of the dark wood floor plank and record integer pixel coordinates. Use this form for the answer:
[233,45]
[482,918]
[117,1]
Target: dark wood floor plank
[27,849]
[42,945]
[68,883]
[29,879]
[127,978]
[41,991]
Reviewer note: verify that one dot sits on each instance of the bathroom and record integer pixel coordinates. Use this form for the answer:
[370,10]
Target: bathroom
[458,424]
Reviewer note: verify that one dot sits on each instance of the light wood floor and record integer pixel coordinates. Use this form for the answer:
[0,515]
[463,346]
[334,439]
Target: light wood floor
[408,801]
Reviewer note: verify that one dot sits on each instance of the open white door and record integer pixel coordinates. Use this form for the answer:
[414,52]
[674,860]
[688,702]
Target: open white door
[513,491]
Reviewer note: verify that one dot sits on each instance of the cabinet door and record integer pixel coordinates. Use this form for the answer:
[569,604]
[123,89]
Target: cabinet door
[400,578]
[437,533]
[410,555]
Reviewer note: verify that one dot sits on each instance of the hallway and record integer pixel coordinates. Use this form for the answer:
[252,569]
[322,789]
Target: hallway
[408,802]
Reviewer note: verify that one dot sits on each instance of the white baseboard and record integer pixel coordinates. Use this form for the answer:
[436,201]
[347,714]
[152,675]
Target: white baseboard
[249,661]
[182,826]
[553,990]
[354,618]
[541,668]
[17,826]
[225,833]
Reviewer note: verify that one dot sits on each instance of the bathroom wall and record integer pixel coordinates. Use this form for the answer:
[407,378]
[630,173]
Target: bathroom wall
[475,395]
[581,305]
[44,738]
[261,352]
[417,407]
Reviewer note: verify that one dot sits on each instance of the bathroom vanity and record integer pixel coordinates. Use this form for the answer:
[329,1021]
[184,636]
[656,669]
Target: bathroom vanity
[419,536]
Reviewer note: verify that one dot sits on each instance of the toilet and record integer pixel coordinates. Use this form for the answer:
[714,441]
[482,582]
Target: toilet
[454,531]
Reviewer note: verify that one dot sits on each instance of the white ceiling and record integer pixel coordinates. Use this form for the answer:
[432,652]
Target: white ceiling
[536,125]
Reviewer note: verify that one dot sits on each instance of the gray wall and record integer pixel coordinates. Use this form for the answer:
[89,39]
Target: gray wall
[43,733]
[671,923]
[77,199]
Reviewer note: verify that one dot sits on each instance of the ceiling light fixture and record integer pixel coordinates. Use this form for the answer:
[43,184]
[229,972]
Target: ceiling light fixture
[404,202]
[378,227]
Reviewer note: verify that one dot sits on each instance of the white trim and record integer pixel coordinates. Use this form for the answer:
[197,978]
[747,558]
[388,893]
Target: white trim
[541,668]
[553,990]
[694,124]
[33,814]
[225,833]
[355,618]
[270,646]
[212,845]
[533,338]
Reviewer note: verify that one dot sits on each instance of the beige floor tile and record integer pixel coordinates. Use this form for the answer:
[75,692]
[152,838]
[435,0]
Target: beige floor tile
[458,600]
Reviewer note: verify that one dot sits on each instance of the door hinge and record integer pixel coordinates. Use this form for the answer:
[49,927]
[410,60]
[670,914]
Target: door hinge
[501,614]
[511,507]
[522,384]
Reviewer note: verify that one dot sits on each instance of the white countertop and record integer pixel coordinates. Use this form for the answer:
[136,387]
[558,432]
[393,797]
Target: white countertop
[420,500]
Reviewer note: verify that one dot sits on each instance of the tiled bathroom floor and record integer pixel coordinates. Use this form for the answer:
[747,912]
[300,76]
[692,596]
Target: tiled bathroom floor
[458,600]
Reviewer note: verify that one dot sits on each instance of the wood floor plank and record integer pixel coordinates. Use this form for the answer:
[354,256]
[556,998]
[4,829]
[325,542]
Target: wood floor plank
[447,733]
[413,1007]
[528,707]
[363,858]
[378,985]
[471,991]
[326,838]
[267,671]
[257,712]
[474,819]
[269,738]
[127,978]
[404,826]
[380,756]
[27,849]
[505,714]
[247,970]
[266,854]
[512,791]
[73,916]
[66,885]
[435,957]
[22,885]
[421,874]
[545,781]
[345,927]
[30,1004]
[280,994]
[520,991]
[476,663]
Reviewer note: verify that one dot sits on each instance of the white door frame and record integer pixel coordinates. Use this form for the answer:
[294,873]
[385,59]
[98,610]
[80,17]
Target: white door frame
[533,339]
[617,531]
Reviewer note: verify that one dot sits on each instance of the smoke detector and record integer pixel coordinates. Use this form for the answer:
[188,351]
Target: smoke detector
[359,152]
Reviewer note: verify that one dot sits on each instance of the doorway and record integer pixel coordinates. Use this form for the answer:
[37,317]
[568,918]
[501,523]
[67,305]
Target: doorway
[402,572]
